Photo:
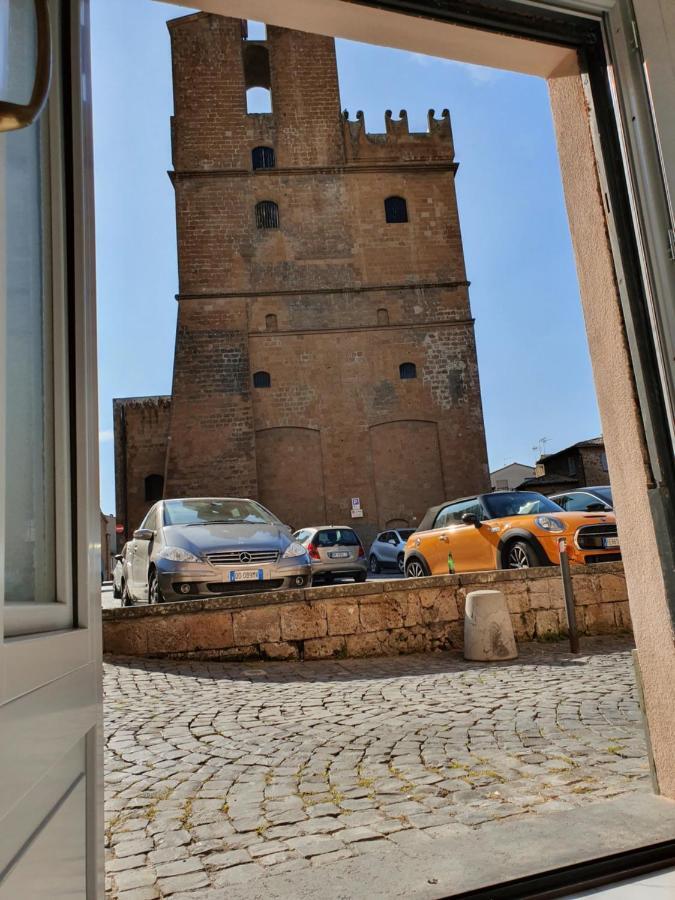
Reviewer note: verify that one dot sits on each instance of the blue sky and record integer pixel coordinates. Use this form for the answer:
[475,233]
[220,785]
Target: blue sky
[535,371]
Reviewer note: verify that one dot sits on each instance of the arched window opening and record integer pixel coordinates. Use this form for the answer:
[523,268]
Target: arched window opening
[271,322]
[257,79]
[395,210]
[407,370]
[267,214]
[262,380]
[154,488]
[254,31]
[382,317]
[258,100]
[263,158]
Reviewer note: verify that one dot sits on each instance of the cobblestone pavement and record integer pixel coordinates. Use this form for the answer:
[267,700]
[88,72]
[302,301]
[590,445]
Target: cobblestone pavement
[217,773]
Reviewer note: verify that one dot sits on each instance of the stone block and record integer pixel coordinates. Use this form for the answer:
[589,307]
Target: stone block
[585,590]
[519,601]
[280,650]
[622,615]
[599,618]
[373,644]
[438,606]
[547,623]
[166,634]
[377,615]
[324,648]
[343,618]
[256,626]
[125,638]
[303,620]
[613,587]
[207,631]
[409,640]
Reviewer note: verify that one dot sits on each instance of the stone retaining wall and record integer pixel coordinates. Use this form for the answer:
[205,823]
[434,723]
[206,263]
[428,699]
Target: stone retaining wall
[373,619]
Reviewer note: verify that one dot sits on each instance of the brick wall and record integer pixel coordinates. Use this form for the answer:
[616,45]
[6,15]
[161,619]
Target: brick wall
[372,619]
[141,428]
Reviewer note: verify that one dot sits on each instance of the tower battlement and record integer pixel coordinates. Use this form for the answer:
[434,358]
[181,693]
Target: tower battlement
[398,142]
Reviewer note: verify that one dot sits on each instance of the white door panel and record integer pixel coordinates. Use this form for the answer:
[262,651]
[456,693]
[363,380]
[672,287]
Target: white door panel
[51,816]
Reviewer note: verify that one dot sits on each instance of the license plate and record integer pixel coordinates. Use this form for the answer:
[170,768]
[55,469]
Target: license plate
[246,575]
[611,542]
[342,554]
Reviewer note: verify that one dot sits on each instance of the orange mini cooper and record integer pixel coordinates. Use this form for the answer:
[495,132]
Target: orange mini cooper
[507,530]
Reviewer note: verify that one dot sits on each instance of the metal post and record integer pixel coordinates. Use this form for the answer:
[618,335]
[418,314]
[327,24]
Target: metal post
[568,594]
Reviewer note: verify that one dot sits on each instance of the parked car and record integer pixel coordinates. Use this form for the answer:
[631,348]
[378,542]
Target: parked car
[118,574]
[507,530]
[587,499]
[387,550]
[334,550]
[204,546]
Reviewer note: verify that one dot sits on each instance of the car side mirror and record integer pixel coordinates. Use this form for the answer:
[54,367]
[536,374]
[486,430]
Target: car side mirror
[471,519]
[144,534]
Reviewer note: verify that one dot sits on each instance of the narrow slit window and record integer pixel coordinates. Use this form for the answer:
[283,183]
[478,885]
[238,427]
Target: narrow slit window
[407,370]
[263,158]
[154,488]
[262,380]
[395,210]
[258,100]
[267,214]
[271,322]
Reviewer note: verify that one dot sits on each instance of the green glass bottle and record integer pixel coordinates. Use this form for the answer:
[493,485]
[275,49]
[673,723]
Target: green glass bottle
[451,564]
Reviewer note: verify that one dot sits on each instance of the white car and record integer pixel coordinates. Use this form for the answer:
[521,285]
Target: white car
[387,550]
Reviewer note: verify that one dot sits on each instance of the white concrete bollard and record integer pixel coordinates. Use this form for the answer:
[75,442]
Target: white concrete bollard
[488,633]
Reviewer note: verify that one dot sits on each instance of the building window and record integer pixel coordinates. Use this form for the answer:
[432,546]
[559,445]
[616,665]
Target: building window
[258,100]
[395,210]
[271,322]
[382,317]
[263,158]
[267,214]
[262,380]
[257,79]
[154,488]
[407,370]
[254,31]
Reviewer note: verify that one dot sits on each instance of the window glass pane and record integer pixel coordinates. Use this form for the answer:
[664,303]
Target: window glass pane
[18,50]
[29,442]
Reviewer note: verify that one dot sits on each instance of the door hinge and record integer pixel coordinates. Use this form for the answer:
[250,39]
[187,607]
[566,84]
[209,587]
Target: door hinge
[671,243]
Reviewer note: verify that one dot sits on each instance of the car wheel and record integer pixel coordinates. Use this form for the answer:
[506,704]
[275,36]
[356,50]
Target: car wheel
[127,599]
[415,568]
[360,576]
[400,562]
[521,555]
[374,564]
[154,591]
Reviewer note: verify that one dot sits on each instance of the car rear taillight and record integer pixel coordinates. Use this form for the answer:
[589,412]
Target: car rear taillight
[313,552]
[362,552]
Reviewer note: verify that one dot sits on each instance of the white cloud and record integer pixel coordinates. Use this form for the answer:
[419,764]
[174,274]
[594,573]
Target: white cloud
[105,436]
[476,74]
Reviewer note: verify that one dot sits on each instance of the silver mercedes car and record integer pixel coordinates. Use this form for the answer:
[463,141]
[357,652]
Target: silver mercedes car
[205,546]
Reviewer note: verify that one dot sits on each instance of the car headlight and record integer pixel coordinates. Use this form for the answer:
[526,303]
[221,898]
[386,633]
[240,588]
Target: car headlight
[177,554]
[294,549]
[549,523]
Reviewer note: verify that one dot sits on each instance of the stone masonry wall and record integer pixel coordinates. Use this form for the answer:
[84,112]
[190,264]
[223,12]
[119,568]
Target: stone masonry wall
[377,618]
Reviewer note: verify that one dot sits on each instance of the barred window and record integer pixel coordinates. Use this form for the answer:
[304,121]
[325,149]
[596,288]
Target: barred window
[267,214]
[407,370]
[263,158]
[395,209]
[262,380]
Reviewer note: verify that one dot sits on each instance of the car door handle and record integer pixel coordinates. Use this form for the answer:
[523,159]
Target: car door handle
[443,538]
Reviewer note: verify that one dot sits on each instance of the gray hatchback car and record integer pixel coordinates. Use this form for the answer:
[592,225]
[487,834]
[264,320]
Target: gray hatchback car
[388,549]
[206,546]
[334,551]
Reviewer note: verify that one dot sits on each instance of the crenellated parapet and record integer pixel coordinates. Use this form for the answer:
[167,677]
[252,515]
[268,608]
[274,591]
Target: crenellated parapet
[398,143]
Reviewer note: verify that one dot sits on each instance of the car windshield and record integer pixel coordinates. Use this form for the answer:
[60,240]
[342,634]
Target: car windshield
[405,533]
[336,537]
[214,511]
[518,503]
[605,493]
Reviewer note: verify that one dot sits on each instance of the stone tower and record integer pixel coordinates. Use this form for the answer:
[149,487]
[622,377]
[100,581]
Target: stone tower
[325,347]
